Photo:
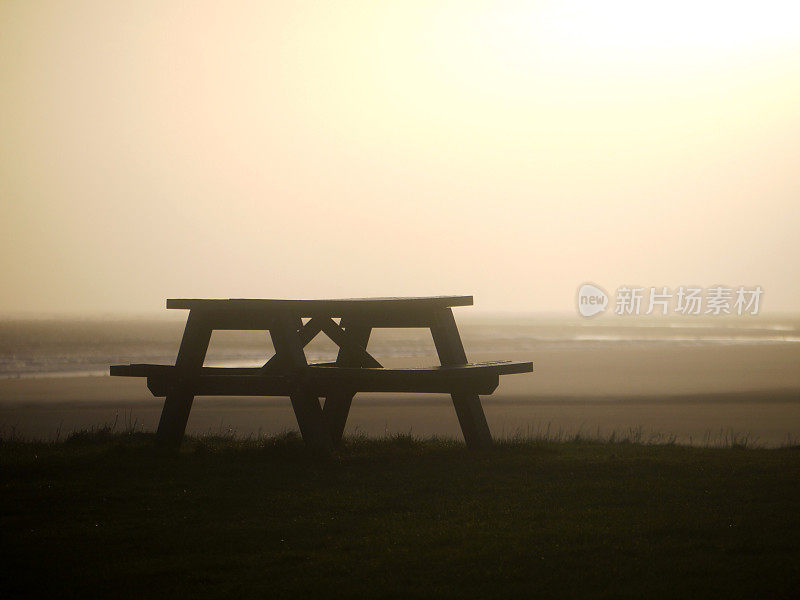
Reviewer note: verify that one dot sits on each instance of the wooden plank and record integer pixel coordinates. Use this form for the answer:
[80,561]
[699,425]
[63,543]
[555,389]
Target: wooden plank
[323,385]
[228,385]
[239,320]
[427,381]
[502,367]
[466,403]
[178,403]
[286,341]
[333,370]
[337,402]
[447,339]
[387,318]
[305,402]
[169,372]
[346,341]
[329,381]
[333,307]
[306,333]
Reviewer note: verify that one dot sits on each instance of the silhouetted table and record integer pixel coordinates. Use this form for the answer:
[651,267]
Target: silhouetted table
[288,373]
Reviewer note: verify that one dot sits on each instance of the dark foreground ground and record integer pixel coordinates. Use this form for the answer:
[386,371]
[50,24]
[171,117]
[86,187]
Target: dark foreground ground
[106,515]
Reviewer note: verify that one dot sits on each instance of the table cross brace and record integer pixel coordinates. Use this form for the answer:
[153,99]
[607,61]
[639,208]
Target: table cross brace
[347,342]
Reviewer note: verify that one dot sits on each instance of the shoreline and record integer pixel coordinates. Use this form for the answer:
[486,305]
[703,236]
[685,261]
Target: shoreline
[45,408]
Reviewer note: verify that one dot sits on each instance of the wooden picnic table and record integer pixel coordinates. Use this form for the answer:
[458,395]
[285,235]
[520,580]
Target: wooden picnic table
[288,373]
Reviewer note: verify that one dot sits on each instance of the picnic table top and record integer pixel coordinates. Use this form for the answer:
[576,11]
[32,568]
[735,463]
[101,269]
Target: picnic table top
[332,306]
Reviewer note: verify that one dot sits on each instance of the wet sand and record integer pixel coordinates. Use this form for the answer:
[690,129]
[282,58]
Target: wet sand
[690,393]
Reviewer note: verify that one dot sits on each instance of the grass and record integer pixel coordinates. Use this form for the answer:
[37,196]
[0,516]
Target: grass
[106,514]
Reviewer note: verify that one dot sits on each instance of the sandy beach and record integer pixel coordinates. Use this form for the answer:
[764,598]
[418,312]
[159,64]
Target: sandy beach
[694,393]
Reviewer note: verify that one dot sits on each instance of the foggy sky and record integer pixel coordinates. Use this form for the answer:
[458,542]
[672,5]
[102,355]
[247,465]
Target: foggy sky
[169,149]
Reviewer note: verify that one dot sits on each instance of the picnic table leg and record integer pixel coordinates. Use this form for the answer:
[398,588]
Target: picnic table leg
[337,404]
[467,404]
[307,410]
[178,403]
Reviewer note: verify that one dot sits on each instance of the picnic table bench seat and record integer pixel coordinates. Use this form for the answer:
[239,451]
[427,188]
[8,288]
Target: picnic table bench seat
[325,378]
[292,325]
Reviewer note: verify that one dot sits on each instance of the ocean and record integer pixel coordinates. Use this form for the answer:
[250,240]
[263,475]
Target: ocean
[70,347]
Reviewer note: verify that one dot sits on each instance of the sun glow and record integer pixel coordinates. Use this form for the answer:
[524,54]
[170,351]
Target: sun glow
[573,130]
[509,47]
[620,29]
